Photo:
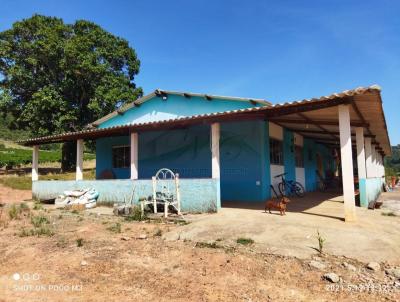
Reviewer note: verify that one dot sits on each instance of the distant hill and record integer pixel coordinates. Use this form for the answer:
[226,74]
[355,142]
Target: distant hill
[392,163]
[9,134]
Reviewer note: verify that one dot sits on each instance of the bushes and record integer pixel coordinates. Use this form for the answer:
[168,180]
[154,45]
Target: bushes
[11,157]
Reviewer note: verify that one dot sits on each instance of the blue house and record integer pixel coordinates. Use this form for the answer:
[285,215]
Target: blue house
[229,149]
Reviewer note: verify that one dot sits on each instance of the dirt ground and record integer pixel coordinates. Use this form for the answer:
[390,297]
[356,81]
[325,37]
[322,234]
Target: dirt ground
[373,237]
[86,258]
[8,195]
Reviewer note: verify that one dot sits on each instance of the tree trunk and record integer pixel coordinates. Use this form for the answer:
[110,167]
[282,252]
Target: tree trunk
[68,160]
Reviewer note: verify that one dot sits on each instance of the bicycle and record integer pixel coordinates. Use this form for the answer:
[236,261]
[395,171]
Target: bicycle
[290,187]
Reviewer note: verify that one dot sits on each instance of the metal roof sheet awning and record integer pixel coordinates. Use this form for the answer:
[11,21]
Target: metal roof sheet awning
[314,118]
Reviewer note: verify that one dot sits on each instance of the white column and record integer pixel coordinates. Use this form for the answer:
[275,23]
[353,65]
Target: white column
[373,157]
[347,163]
[215,133]
[368,156]
[134,155]
[35,163]
[360,153]
[79,159]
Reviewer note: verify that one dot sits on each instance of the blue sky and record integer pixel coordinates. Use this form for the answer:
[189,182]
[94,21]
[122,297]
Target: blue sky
[276,50]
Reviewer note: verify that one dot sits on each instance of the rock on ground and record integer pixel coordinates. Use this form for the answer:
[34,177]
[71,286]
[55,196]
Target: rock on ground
[395,272]
[332,277]
[374,266]
[317,265]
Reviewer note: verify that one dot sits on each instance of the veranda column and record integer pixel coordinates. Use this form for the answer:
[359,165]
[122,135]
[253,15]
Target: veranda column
[79,159]
[215,133]
[35,163]
[368,156]
[362,174]
[360,153]
[134,155]
[347,163]
[373,157]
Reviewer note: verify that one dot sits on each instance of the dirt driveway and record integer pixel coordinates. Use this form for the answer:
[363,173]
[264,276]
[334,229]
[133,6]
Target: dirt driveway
[374,237]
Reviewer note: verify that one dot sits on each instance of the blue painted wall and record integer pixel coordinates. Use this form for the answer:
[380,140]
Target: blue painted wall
[289,155]
[104,156]
[197,195]
[186,152]
[370,189]
[157,109]
[310,164]
[244,157]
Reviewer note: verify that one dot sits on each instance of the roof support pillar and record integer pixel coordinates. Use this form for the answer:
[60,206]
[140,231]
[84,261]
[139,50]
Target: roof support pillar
[347,163]
[35,163]
[360,153]
[362,173]
[134,155]
[79,159]
[215,135]
[368,156]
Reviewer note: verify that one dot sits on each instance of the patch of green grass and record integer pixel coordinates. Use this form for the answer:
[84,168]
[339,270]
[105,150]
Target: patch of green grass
[41,231]
[79,242]
[62,242]
[390,214]
[115,228]
[212,245]
[14,212]
[38,206]
[181,222]
[39,221]
[17,182]
[321,242]
[136,215]
[245,241]
[158,233]
[25,182]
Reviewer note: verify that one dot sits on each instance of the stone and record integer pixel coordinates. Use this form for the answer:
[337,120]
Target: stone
[317,265]
[374,266]
[84,263]
[349,266]
[332,277]
[395,272]
[142,236]
[125,238]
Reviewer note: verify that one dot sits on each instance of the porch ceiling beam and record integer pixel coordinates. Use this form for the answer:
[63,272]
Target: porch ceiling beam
[316,122]
[360,116]
[323,132]
[318,126]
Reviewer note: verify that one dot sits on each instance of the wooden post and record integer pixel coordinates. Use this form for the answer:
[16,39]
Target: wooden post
[79,159]
[154,194]
[215,164]
[178,193]
[134,156]
[360,153]
[347,163]
[35,163]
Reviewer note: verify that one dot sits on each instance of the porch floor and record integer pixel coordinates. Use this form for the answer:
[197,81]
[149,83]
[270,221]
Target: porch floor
[373,237]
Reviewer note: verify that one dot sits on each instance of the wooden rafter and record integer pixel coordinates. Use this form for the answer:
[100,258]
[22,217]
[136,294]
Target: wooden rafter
[306,118]
[316,122]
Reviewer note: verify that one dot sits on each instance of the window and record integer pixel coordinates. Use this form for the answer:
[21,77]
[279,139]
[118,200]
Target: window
[276,151]
[121,157]
[299,157]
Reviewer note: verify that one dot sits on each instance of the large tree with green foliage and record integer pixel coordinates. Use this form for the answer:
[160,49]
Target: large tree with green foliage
[57,77]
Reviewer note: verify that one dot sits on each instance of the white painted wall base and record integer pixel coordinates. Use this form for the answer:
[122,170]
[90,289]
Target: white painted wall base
[300,176]
[275,170]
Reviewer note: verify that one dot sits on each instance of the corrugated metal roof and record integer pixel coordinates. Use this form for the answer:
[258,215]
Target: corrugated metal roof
[264,112]
[161,92]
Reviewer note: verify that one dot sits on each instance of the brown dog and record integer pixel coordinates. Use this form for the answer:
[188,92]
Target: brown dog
[279,204]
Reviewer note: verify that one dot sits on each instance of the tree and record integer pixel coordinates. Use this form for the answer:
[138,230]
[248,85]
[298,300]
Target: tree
[57,77]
